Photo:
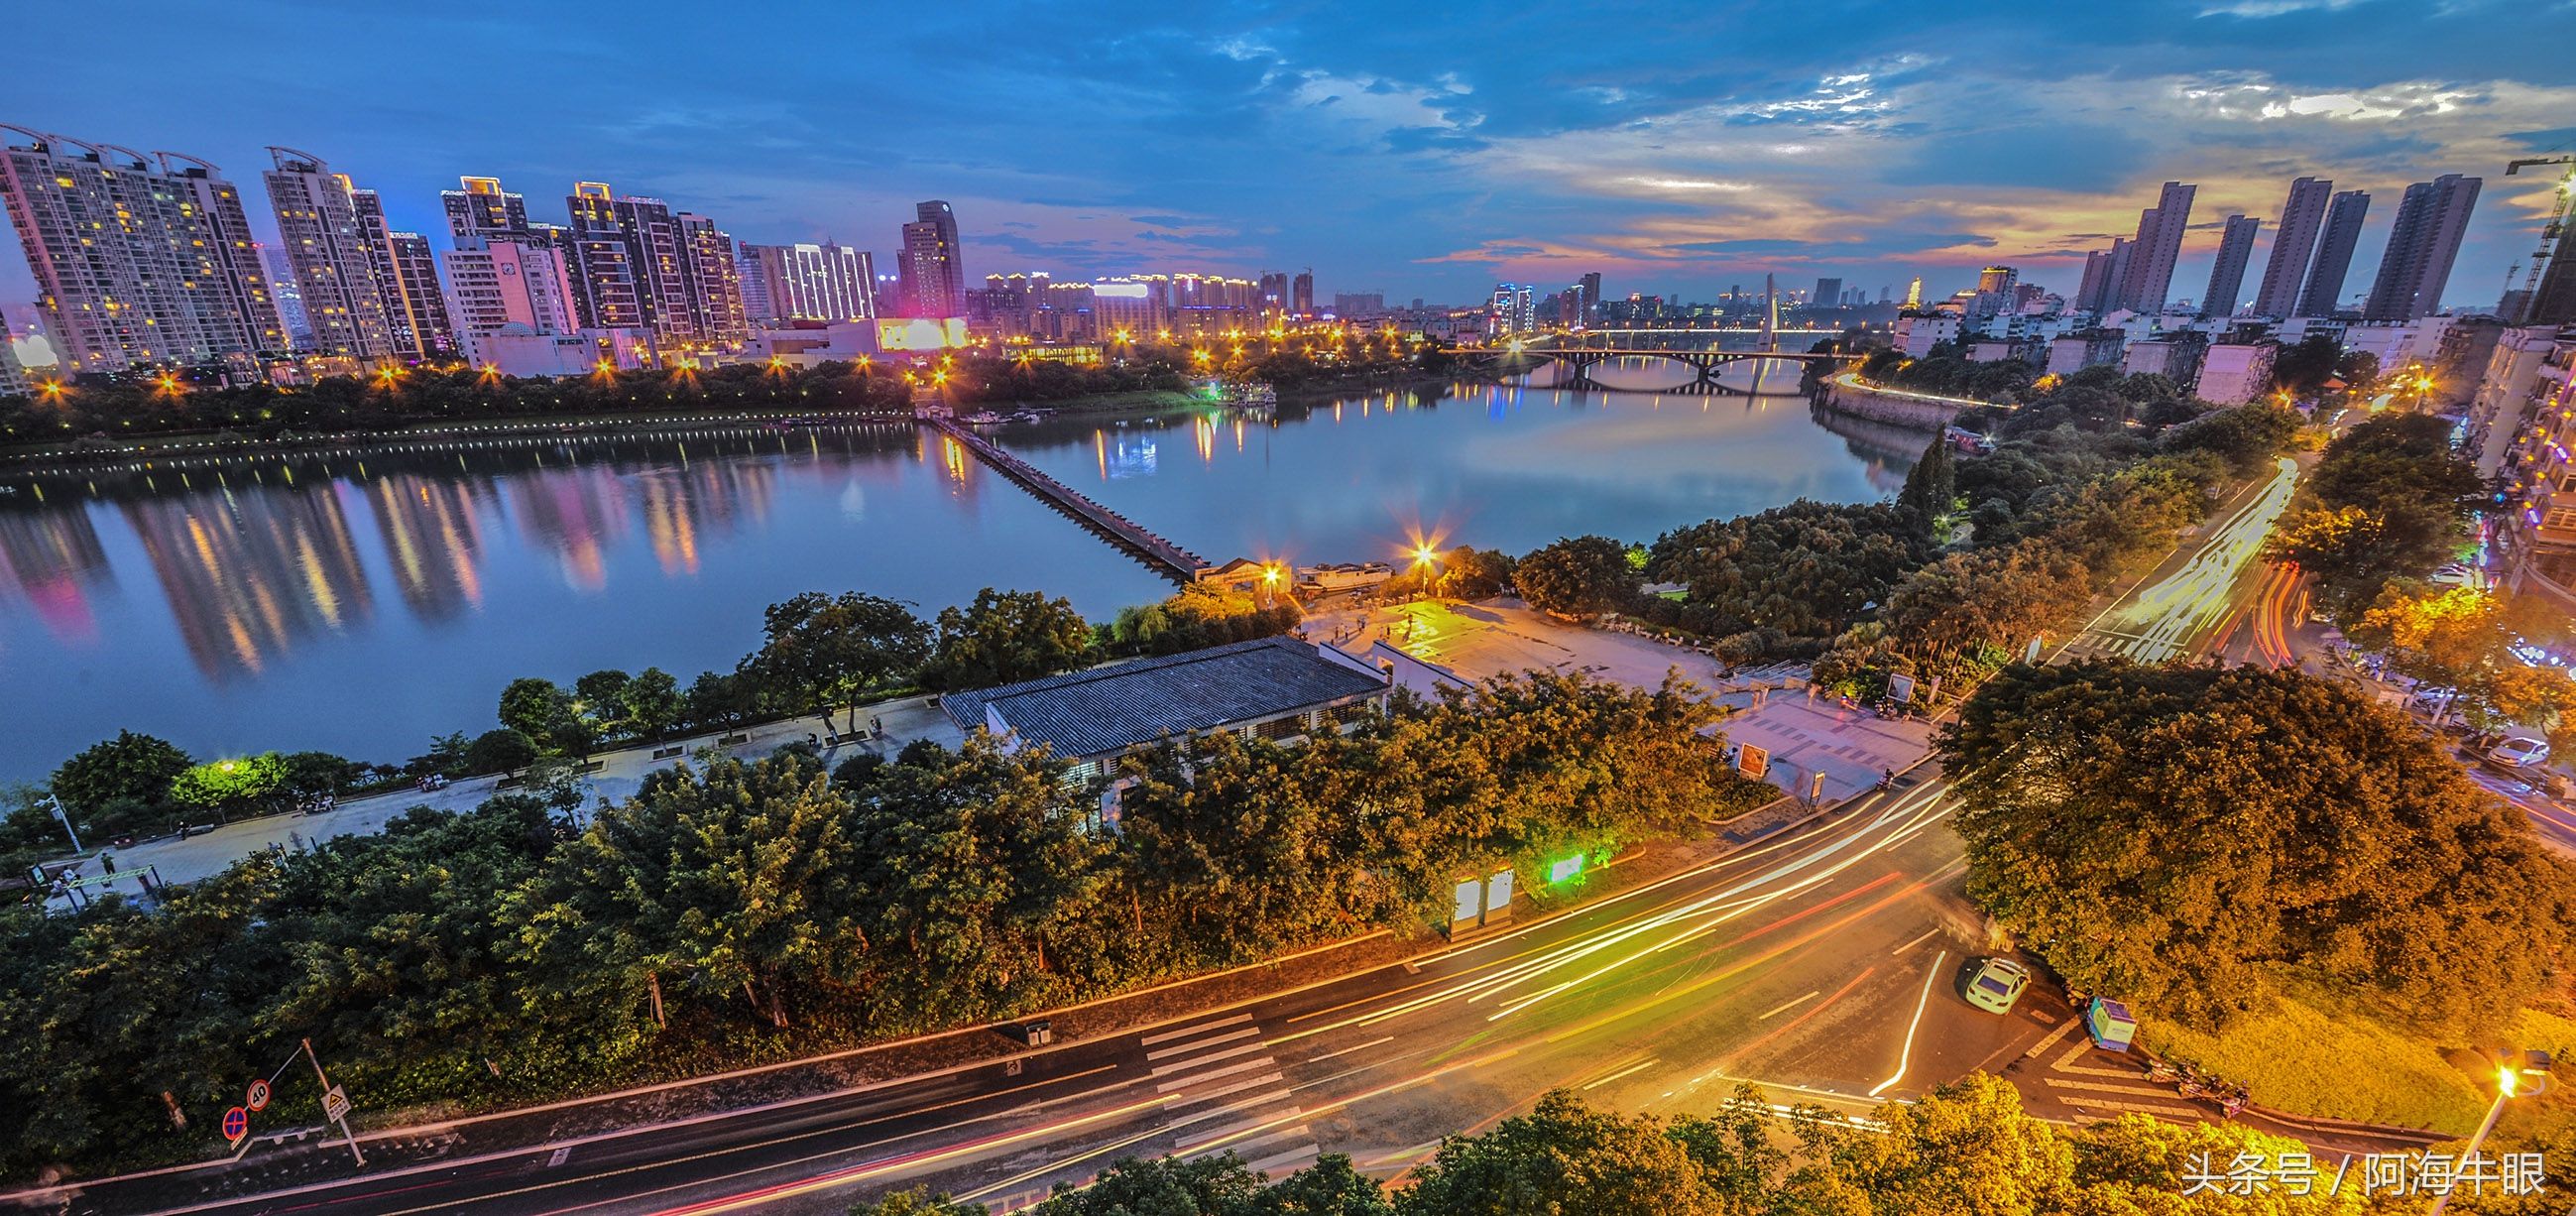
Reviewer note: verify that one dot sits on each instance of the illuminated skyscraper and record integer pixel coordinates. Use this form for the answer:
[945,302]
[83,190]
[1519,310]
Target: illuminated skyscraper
[407,279]
[317,222]
[602,265]
[1301,293]
[483,209]
[136,263]
[2148,277]
[932,269]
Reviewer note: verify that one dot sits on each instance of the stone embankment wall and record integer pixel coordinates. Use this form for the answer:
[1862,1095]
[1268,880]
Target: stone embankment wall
[1911,410]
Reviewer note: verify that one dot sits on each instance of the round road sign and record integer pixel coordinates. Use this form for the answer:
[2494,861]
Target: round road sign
[258,1098]
[236,1124]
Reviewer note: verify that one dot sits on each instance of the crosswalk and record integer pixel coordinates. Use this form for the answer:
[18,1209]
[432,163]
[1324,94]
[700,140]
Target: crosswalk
[1225,1091]
[2076,1075]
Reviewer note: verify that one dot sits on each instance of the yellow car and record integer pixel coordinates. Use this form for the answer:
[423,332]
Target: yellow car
[1997,984]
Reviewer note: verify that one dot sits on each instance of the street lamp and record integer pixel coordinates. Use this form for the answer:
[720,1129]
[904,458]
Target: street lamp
[2519,1074]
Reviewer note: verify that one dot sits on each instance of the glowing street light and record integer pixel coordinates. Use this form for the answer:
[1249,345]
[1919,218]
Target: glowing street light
[2519,1074]
[52,390]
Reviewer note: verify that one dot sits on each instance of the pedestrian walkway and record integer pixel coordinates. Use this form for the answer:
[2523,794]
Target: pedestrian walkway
[1225,1092]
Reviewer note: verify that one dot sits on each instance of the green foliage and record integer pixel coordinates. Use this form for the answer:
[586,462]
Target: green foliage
[498,751]
[1197,617]
[828,652]
[2247,437]
[2461,639]
[918,1202]
[544,713]
[2388,500]
[127,776]
[1005,637]
[230,786]
[1808,569]
[1930,485]
[652,703]
[1578,576]
[2177,835]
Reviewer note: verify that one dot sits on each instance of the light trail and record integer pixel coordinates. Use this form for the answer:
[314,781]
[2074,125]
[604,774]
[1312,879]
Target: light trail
[1905,1058]
[2160,622]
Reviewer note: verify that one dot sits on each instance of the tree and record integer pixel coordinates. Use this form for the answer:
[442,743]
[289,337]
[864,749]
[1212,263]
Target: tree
[1210,1186]
[2246,436]
[128,768]
[824,653]
[651,703]
[2302,370]
[2462,639]
[319,774]
[1581,576]
[1005,637]
[918,1201]
[600,699]
[2178,835]
[1808,569]
[230,786]
[543,711]
[1473,574]
[499,751]
[1929,486]
[1564,1157]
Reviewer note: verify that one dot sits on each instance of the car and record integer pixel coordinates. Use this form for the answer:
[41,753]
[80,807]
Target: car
[2520,751]
[1997,984]
[2453,575]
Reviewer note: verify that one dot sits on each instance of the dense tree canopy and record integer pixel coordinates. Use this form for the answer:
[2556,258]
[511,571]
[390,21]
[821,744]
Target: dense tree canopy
[2388,500]
[1005,637]
[2462,639]
[1578,576]
[823,652]
[1808,569]
[2178,835]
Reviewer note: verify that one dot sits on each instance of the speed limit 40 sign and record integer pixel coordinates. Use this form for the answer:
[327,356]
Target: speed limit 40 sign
[257,1099]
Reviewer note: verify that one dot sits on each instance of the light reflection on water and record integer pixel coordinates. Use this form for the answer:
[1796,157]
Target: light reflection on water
[362,601]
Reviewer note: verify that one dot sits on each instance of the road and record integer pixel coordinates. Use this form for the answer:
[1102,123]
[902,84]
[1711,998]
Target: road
[1824,964]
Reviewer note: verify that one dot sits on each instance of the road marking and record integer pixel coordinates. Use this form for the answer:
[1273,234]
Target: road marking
[1776,1010]
[1905,1058]
[559,1157]
[2049,1040]
[1283,1160]
[1348,1050]
[1210,1058]
[1204,1044]
[2066,1064]
[1202,1027]
[1215,1135]
[1214,1073]
[1269,1137]
[1927,936]
[1639,1066]
[2141,1090]
[1238,1087]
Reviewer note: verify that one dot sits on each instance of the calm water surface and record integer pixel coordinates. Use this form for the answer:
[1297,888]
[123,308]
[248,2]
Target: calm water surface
[362,602]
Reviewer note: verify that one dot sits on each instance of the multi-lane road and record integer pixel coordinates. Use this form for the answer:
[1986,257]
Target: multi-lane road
[1823,963]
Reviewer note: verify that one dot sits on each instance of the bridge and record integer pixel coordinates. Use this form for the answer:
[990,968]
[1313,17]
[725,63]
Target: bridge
[1705,365]
[1167,559]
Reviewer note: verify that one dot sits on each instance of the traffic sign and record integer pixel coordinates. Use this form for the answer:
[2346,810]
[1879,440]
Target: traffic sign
[335,1104]
[236,1125]
[257,1099]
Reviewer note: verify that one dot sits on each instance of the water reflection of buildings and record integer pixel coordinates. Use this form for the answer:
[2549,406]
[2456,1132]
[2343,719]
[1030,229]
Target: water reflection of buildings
[53,560]
[433,536]
[578,513]
[250,572]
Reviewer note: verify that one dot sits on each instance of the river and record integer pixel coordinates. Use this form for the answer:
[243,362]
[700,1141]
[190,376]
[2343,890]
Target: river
[364,601]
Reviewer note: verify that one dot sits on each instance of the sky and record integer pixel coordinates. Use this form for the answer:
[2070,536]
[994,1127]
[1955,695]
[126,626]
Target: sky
[1414,150]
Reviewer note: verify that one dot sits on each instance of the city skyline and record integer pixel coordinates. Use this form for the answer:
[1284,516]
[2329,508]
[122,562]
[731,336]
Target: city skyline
[1345,145]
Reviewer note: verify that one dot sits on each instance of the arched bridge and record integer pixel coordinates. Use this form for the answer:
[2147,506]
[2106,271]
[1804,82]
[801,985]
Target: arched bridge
[1705,365]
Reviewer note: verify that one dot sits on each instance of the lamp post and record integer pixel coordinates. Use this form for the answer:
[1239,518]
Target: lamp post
[66,818]
[2522,1074]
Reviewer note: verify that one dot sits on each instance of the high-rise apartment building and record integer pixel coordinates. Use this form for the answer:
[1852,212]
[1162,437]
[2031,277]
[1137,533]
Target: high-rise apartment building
[2324,290]
[280,273]
[317,222]
[2553,302]
[2227,275]
[597,256]
[2294,242]
[826,282]
[1829,293]
[1273,287]
[483,209]
[1914,289]
[1514,310]
[2147,279]
[407,280]
[932,270]
[136,264]
[712,283]
[13,378]
[1301,293]
[2431,219]
[496,282]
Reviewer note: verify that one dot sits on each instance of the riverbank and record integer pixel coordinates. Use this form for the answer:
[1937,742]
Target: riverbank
[35,458]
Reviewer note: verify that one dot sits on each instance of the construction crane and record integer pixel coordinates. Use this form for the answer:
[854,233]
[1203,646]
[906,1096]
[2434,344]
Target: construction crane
[2549,231]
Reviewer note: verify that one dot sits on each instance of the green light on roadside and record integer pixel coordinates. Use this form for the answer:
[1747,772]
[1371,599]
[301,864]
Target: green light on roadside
[1564,869]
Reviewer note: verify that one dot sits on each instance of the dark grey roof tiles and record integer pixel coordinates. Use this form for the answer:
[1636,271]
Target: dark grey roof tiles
[1110,709]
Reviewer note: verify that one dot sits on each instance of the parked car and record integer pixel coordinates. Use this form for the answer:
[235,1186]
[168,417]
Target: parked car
[2453,575]
[2520,751]
[1997,984]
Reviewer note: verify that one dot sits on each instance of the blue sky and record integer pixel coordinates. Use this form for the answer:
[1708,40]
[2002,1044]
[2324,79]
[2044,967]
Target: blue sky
[1418,150]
